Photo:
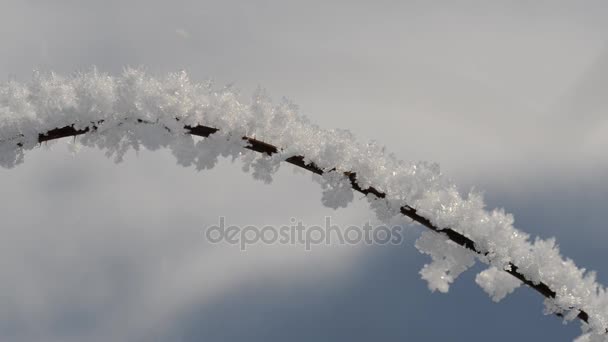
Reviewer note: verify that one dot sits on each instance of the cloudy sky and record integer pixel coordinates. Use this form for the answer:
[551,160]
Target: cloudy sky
[509,97]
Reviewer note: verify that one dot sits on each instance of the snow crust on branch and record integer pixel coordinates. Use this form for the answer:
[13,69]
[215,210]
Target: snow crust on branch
[135,110]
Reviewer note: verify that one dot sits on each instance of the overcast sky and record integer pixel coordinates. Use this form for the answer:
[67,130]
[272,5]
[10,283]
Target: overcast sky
[509,97]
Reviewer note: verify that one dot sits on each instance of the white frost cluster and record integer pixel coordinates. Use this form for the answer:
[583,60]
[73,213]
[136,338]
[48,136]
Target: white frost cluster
[116,106]
[449,260]
[497,283]
[337,190]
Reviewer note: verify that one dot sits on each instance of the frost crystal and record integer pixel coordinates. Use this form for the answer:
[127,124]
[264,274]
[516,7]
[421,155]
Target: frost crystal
[135,110]
[449,260]
[337,191]
[496,283]
[74,147]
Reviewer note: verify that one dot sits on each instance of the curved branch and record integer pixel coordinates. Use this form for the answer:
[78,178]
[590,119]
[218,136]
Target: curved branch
[299,161]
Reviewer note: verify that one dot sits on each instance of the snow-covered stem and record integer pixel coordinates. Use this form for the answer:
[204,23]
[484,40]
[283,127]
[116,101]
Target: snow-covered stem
[134,110]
